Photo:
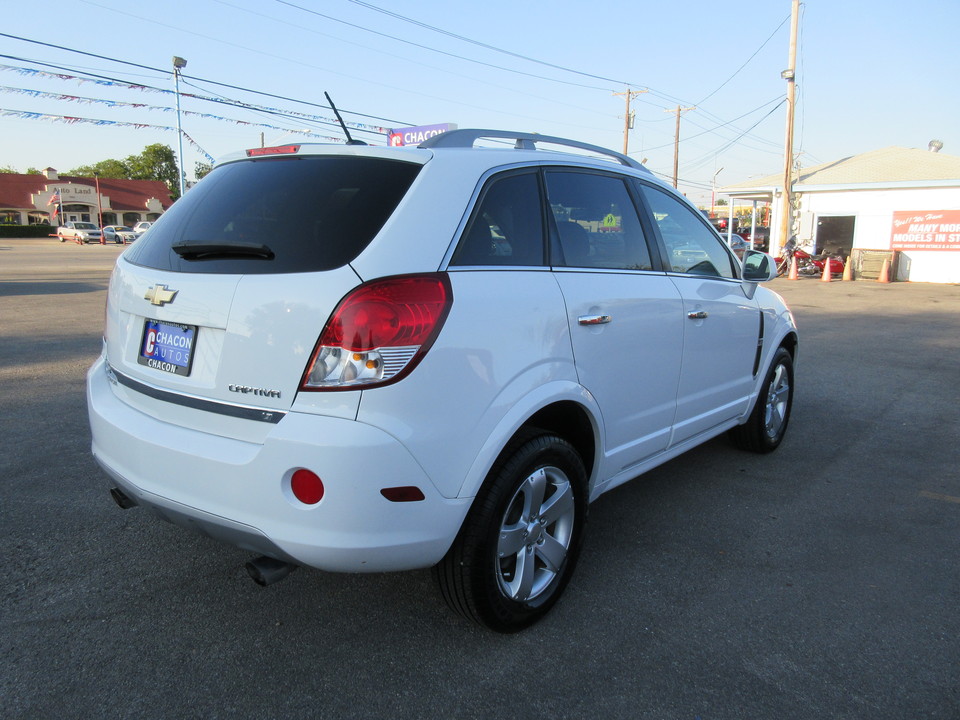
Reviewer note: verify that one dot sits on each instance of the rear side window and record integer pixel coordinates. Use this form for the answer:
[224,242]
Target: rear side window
[507,226]
[692,246]
[301,214]
[597,222]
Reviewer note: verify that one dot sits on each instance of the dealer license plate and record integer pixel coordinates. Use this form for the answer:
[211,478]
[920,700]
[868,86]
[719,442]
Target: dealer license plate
[167,346]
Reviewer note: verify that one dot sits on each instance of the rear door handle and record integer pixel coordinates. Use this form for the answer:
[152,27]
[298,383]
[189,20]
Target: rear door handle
[697,315]
[594,319]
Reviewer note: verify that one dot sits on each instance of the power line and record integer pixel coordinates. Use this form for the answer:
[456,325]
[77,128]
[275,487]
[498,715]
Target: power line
[432,49]
[446,69]
[746,62]
[478,43]
[778,100]
[695,165]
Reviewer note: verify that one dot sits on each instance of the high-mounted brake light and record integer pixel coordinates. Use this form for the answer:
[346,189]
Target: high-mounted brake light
[379,332]
[278,150]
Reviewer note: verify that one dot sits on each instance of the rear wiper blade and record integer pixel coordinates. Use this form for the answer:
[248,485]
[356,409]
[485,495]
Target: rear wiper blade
[203,251]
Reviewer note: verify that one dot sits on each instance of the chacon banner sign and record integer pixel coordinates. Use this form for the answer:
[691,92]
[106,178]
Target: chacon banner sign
[416,135]
[926,230]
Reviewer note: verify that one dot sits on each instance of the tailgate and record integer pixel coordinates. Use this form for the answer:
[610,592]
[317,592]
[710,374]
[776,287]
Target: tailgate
[234,339]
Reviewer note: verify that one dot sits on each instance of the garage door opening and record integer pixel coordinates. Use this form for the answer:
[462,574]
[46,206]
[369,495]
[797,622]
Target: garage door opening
[835,234]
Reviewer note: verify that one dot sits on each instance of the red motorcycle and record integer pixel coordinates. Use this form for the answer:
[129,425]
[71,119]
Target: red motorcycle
[836,263]
[808,264]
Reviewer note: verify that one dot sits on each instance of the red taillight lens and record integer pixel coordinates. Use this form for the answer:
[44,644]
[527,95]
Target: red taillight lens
[379,332]
[307,487]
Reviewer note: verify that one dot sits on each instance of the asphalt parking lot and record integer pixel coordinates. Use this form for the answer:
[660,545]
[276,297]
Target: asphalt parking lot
[821,581]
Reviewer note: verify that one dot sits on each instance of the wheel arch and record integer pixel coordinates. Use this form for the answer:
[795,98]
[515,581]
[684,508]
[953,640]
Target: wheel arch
[790,343]
[570,414]
[573,423]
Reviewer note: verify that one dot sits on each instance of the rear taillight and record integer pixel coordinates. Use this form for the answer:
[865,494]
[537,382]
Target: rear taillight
[379,332]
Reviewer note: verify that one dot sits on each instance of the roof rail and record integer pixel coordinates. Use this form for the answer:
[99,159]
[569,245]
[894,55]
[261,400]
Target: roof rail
[524,141]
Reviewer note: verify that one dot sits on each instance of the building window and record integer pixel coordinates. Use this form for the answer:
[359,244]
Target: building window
[38,217]
[9,217]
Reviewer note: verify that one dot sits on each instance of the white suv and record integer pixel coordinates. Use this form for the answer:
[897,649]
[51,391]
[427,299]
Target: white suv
[363,359]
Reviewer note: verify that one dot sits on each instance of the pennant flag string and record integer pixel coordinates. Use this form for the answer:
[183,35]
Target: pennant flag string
[27,115]
[31,72]
[139,106]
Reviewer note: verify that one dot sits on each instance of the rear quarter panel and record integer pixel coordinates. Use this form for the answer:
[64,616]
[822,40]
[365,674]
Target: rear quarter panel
[449,412]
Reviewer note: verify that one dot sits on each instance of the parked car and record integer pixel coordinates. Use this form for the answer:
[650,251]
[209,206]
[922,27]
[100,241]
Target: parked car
[79,232]
[722,223]
[365,359]
[761,236]
[141,227]
[736,242]
[119,234]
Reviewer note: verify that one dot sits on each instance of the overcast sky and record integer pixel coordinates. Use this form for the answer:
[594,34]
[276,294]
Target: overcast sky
[871,74]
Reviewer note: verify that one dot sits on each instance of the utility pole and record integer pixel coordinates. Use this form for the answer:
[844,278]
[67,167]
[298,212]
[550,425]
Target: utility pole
[790,75]
[627,116]
[676,139]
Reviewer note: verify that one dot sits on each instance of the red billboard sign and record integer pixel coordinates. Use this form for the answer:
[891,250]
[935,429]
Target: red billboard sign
[925,230]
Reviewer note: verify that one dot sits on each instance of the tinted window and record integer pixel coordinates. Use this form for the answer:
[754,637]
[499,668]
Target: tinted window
[507,226]
[597,222]
[312,213]
[691,245]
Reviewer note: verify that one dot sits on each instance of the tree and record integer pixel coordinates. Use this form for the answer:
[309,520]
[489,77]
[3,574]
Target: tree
[156,162]
[6,169]
[201,169]
[105,169]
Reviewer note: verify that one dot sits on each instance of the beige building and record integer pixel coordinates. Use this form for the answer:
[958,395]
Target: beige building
[896,203]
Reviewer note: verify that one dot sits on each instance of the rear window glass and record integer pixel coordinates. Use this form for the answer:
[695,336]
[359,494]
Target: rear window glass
[277,215]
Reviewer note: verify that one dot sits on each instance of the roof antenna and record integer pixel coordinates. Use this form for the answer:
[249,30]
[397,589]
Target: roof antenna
[350,140]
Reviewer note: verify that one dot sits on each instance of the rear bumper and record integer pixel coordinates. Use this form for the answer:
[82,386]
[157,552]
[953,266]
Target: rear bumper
[238,491]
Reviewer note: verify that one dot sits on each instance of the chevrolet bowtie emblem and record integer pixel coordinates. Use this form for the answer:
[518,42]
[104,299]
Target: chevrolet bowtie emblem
[160,295]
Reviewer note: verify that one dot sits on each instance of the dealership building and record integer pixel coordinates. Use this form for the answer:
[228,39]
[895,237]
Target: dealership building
[897,204]
[53,199]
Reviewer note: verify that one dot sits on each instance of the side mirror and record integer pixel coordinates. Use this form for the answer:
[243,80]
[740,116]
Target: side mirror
[758,266]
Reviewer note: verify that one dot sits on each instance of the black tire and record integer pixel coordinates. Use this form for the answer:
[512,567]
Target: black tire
[507,566]
[764,430]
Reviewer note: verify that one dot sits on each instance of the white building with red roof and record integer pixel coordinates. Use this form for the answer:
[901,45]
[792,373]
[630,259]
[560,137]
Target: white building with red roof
[54,199]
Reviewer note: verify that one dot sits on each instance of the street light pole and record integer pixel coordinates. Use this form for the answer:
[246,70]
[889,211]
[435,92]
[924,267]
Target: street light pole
[713,194]
[178,64]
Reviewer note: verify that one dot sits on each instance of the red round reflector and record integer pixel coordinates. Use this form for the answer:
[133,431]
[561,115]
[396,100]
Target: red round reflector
[307,487]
